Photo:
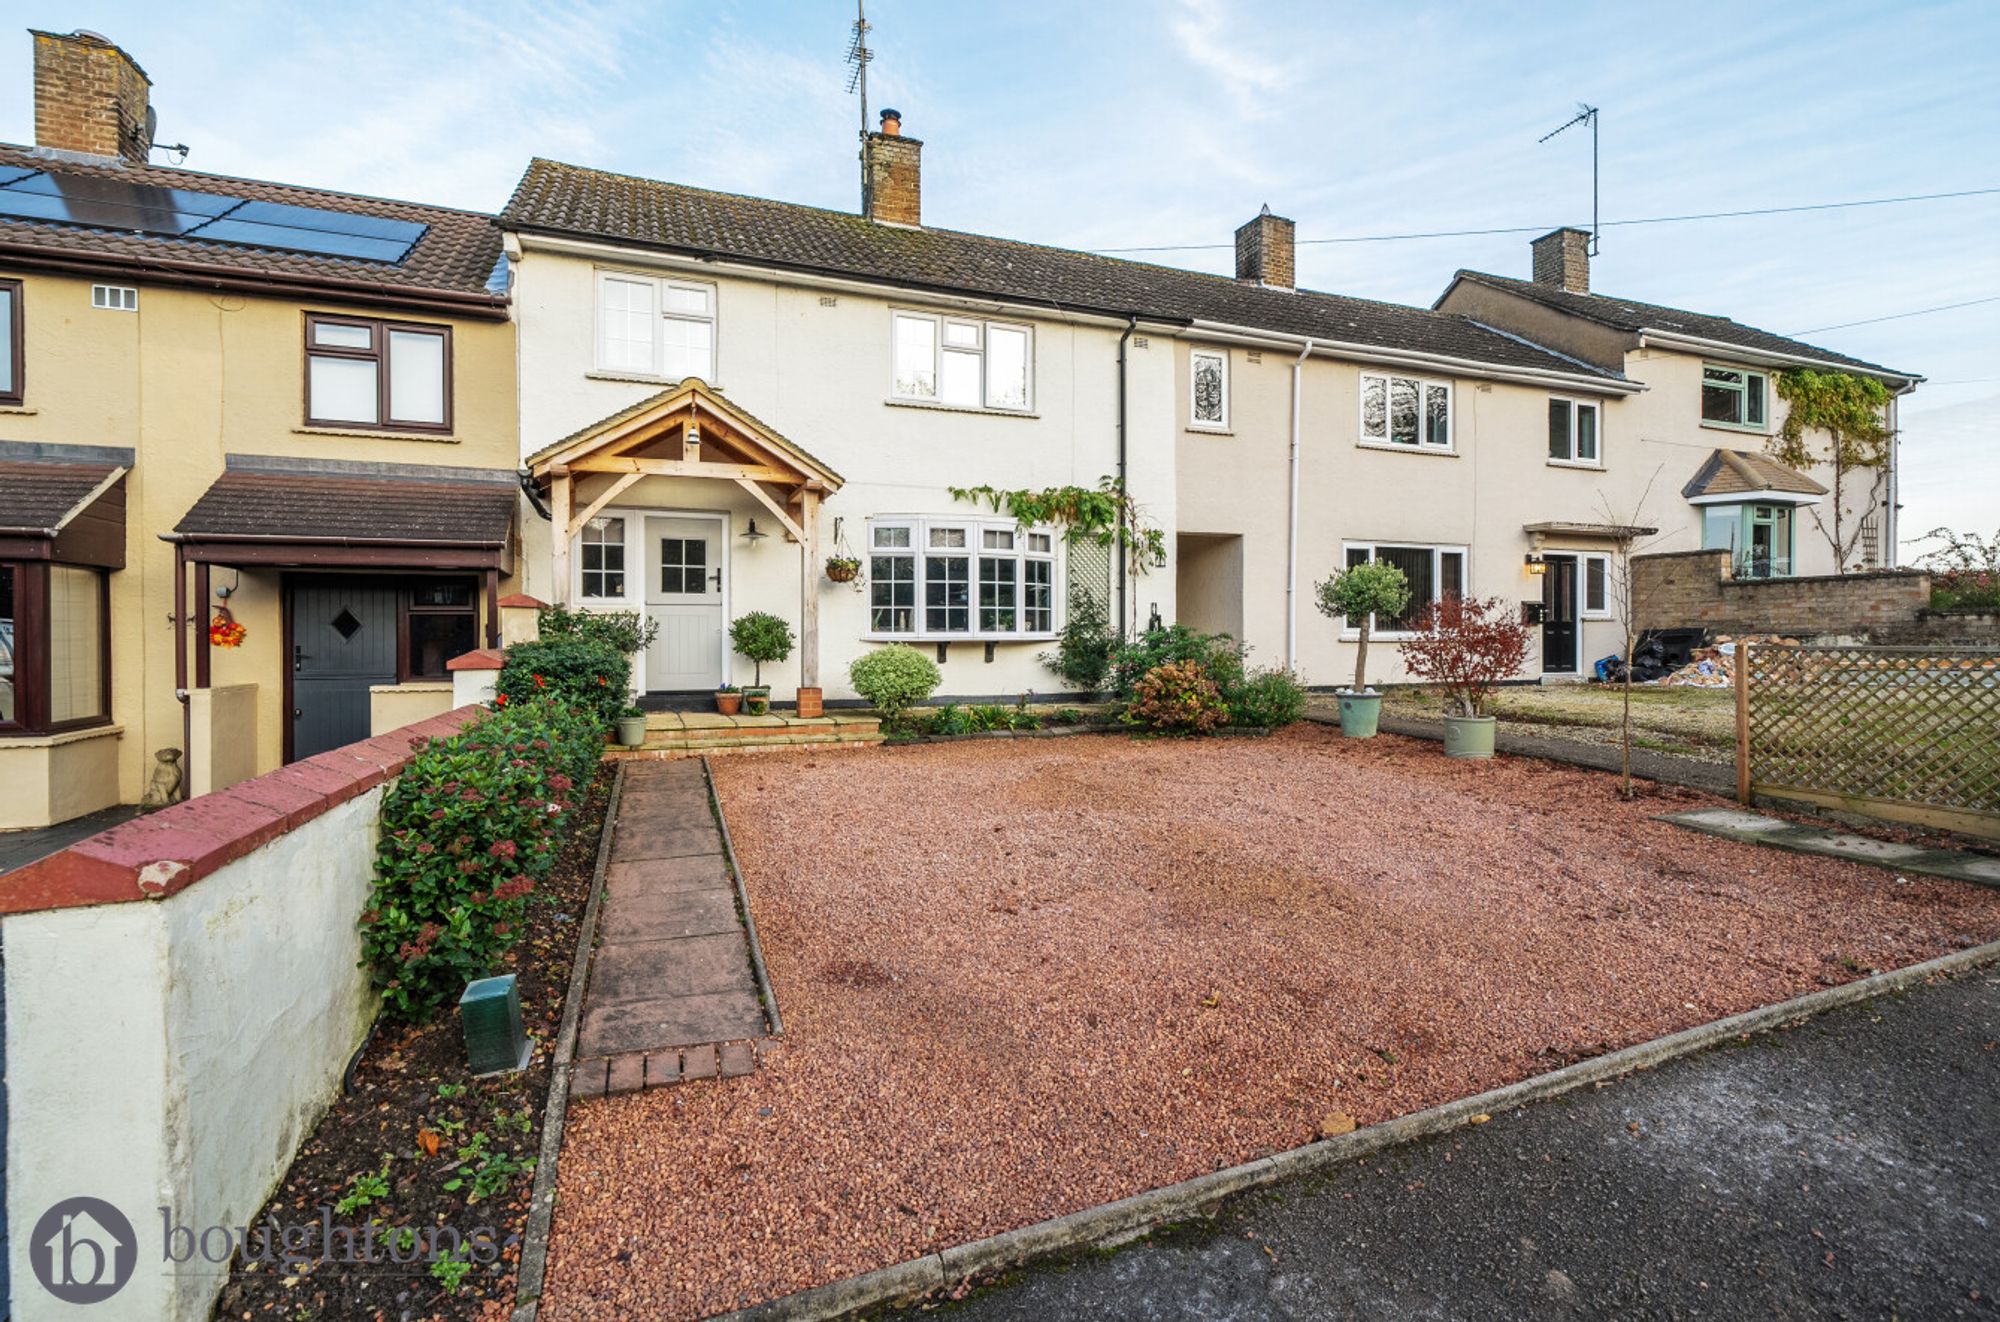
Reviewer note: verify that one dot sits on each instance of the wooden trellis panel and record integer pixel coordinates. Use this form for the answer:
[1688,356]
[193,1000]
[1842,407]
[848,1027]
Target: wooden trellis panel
[1910,734]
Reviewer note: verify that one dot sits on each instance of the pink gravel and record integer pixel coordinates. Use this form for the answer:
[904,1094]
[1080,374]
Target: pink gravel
[1022,978]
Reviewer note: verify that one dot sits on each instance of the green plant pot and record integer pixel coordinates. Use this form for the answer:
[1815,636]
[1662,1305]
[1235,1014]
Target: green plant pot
[1468,736]
[631,731]
[1360,713]
[756,701]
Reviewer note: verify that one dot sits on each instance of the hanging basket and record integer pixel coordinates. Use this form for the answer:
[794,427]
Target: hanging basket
[843,569]
[224,631]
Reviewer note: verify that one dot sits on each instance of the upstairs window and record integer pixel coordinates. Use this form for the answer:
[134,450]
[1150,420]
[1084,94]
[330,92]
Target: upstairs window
[1208,390]
[1573,435]
[1734,397]
[378,374]
[11,364]
[953,578]
[1406,412]
[654,327]
[960,362]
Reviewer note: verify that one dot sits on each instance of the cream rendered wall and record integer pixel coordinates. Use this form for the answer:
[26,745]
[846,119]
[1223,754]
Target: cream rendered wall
[176,1052]
[222,737]
[814,363]
[52,778]
[191,376]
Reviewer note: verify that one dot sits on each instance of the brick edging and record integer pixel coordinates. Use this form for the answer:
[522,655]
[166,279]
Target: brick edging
[1110,1223]
[162,853]
[533,1271]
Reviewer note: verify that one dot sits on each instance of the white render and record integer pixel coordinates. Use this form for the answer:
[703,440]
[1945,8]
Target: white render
[175,1052]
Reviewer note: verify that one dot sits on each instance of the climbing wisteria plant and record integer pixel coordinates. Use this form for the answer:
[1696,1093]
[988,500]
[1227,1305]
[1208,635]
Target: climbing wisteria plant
[1098,513]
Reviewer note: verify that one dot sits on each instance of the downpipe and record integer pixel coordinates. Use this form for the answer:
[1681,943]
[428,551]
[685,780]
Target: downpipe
[1292,523]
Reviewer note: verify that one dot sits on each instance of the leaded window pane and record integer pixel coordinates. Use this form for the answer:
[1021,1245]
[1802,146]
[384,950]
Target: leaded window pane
[1402,411]
[1208,370]
[1374,408]
[1437,416]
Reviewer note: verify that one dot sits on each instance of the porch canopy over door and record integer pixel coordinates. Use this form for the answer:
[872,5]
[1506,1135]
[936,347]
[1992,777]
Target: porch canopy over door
[690,431]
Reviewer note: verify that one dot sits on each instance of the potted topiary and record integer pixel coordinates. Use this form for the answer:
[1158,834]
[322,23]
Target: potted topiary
[760,636]
[631,727]
[1467,646]
[727,699]
[1359,593]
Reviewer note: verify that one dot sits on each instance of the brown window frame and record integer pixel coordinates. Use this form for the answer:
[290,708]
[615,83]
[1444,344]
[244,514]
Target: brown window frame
[32,655]
[377,353]
[407,609]
[17,348]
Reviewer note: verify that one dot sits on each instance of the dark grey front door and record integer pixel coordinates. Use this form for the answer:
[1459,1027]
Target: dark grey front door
[343,641]
[1559,616]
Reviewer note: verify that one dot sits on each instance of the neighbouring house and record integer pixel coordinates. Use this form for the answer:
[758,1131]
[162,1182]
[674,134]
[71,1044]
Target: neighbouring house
[226,398]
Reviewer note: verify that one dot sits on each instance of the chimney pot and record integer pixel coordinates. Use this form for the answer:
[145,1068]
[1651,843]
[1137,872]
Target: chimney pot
[1562,260]
[893,191]
[1266,249]
[90,96]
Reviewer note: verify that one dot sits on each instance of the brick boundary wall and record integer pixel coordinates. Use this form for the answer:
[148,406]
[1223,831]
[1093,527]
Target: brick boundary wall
[152,857]
[1695,590]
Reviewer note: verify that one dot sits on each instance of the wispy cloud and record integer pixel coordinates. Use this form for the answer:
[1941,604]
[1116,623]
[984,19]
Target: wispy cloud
[1210,33]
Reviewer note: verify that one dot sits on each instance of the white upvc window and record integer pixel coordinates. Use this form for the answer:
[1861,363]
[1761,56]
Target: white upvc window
[114,298]
[1595,590]
[601,559]
[1576,436]
[1433,573]
[1735,397]
[1405,412]
[1208,390]
[963,362]
[655,327]
[943,578]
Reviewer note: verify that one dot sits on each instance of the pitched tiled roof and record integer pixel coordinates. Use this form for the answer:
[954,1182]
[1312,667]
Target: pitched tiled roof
[1745,472]
[36,497]
[1628,315]
[556,198]
[457,254]
[318,507]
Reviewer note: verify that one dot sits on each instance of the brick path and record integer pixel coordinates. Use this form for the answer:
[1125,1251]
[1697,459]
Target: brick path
[671,994]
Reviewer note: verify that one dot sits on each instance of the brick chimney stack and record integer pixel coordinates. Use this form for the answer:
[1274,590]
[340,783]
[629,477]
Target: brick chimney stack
[1265,253]
[1562,260]
[895,194]
[90,96]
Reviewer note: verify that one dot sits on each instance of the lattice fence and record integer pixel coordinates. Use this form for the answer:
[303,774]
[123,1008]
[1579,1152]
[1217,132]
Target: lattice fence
[1089,573]
[1911,734]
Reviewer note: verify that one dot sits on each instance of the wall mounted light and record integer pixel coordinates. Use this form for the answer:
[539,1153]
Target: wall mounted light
[753,534]
[1537,564]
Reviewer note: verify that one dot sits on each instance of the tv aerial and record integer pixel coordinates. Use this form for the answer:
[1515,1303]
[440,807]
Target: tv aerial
[1585,114]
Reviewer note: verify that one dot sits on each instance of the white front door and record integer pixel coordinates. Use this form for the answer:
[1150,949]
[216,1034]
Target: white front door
[683,559]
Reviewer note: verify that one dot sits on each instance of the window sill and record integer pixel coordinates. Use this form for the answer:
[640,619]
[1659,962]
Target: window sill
[1431,450]
[1740,428]
[1193,430]
[20,410]
[29,739]
[1572,463]
[641,378]
[926,640]
[959,408]
[379,434]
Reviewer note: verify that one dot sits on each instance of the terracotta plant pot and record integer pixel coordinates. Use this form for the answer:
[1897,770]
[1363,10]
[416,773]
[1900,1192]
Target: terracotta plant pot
[810,703]
[728,703]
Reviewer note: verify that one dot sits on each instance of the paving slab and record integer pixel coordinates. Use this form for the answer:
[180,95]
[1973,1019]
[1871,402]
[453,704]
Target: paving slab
[1757,829]
[652,970]
[652,914]
[640,838]
[650,1026]
[664,875]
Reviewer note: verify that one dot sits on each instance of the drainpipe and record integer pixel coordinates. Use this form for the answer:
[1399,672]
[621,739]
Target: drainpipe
[1891,510]
[1292,526]
[1123,552]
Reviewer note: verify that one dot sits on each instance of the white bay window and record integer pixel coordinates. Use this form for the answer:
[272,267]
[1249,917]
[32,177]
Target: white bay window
[945,578]
[962,362]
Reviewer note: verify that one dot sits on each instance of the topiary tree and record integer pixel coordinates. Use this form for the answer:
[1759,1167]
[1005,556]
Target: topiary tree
[893,677]
[1360,593]
[761,636]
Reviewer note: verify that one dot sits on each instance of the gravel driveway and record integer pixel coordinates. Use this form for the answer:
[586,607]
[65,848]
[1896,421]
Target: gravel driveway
[1022,978]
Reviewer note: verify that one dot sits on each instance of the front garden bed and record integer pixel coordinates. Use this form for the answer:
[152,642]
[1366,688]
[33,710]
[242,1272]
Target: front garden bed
[1023,980]
[398,1135]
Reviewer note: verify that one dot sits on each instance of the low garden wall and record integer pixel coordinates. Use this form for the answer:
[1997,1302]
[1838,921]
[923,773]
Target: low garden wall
[1695,590]
[183,995]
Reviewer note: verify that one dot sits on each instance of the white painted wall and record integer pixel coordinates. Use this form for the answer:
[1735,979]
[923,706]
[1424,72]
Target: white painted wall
[814,363]
[174,1053]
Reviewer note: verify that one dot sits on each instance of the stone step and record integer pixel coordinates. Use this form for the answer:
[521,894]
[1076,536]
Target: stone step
[657,745]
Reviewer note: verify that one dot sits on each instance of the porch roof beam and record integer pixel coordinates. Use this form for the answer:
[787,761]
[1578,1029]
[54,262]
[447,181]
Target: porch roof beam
[682,468]
[777,511]
[610,493]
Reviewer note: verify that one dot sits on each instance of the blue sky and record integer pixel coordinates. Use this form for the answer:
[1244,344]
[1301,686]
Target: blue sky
[1115,124]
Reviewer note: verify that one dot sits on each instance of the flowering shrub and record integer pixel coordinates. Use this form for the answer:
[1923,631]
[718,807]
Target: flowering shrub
[1178,697]
[467,829]
[586,673]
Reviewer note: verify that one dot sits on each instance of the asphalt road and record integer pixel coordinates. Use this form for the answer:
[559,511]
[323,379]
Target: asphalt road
[1846,1168]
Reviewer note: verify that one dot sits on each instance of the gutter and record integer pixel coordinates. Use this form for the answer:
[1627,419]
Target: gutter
[1447,363]
[1292,523]
[1905,381]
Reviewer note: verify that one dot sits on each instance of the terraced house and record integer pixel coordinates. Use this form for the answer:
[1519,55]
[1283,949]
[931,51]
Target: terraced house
[226,400]
[738,386]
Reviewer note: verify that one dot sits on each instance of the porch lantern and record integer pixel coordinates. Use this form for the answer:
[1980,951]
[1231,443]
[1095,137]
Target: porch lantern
[753,534]
[1537,564]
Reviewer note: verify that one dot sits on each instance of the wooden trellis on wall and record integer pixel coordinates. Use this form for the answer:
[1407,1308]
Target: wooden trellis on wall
[1904,733]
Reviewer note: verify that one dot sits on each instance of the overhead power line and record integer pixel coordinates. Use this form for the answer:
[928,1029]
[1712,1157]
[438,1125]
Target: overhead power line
[1898,316]
[1638,220]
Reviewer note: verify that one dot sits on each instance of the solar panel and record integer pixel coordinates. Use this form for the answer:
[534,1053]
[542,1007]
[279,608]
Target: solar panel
[212,217]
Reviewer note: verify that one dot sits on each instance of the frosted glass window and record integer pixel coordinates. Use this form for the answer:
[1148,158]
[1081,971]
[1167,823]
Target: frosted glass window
[625,325]
[416,377]
[9,328]
[687,348]
[344,390]
[339,335]
[76,644]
